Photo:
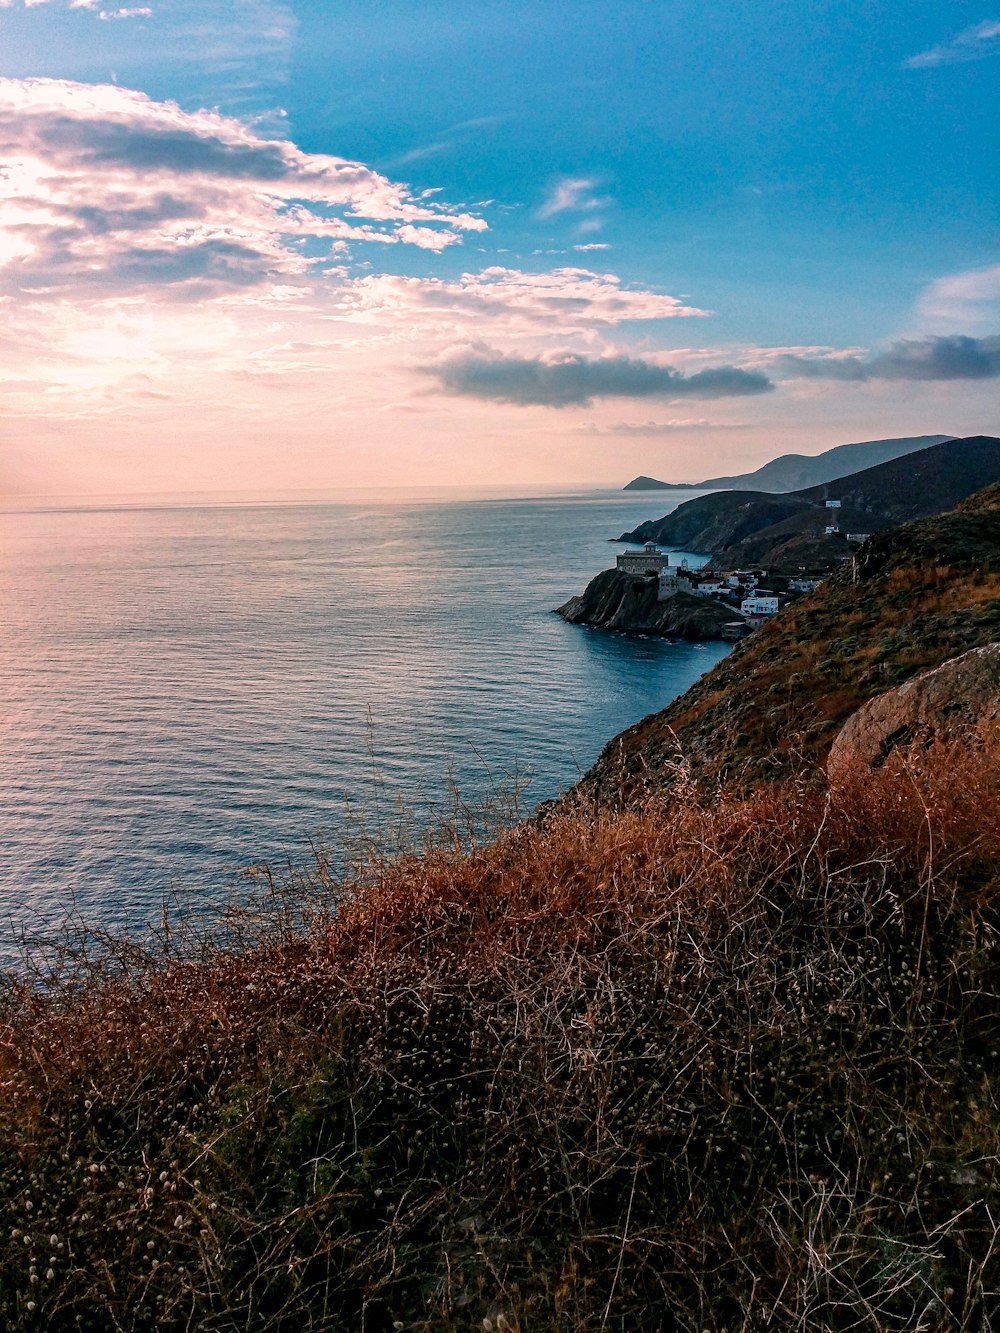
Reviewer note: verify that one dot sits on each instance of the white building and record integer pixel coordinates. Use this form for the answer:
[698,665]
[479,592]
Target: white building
[650,560]
[759,606]
[669,585]
[803,585]
[833,504]
[857,537]
[706,587]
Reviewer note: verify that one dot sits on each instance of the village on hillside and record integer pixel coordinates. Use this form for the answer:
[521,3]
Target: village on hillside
[754,594]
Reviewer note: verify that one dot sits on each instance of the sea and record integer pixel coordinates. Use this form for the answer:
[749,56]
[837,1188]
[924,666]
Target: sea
[190,687]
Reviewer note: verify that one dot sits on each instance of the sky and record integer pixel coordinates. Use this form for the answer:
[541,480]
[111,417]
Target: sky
[272,245]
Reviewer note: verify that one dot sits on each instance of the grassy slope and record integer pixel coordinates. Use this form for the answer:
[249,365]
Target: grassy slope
[671,1068]
[915,596]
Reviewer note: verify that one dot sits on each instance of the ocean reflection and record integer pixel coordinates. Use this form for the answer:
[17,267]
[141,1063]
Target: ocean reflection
[193,689]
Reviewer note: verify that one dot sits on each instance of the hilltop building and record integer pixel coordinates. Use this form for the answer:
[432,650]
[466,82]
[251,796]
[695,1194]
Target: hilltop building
[650,560]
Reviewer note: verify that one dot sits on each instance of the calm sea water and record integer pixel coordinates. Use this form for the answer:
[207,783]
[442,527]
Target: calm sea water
[190,689]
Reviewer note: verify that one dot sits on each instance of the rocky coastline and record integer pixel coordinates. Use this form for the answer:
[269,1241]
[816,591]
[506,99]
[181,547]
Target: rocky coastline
[630,604]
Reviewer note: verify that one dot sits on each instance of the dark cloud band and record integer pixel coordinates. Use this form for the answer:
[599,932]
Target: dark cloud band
[577,380]
[944,358]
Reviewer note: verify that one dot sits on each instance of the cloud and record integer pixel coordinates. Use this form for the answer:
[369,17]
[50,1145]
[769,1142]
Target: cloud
[574,380]
[655,429]
[92,5]
[573,194]
[570,299]
[954,357]
[102,186]
[975,43]
[136,12]
[967,302]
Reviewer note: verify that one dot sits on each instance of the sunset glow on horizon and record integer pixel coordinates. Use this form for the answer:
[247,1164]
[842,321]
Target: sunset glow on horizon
[261,245]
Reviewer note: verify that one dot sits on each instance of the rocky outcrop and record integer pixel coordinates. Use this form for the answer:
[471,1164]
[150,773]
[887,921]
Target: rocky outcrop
[628,603]
[958,701]
[644,483]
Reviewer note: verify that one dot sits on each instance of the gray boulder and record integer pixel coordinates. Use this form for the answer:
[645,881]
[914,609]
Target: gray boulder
[958,701]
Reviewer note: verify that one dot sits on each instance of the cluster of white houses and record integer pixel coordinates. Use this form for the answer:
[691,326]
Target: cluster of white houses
[740,588]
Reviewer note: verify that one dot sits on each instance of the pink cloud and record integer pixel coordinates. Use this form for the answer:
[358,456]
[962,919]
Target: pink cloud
[566,298]
[105,187]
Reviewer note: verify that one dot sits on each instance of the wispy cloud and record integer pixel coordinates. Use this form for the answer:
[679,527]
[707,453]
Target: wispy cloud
[955,357]
[240,51]
[975,43]
[572,380]
[102,186]
[966,302]
[570,299]
[656,429]
[127,12]
[573,194]
[455,137]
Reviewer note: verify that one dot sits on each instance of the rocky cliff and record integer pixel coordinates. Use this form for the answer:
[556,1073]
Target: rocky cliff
[629,604]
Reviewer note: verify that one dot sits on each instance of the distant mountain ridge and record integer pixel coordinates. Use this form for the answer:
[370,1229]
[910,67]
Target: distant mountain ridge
[793,472]
[788,530]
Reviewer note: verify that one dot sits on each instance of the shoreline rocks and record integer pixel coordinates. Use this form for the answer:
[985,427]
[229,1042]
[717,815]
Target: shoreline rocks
[629,604]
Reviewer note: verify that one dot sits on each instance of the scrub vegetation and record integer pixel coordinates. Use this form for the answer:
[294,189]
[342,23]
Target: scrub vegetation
[724,1065]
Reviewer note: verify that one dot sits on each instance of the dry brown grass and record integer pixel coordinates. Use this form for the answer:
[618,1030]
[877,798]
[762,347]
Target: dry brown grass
[727,1065]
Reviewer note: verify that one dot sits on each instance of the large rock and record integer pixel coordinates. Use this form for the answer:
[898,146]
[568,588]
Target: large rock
[628,603]
[956,702]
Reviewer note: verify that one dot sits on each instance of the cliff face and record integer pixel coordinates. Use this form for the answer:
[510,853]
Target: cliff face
[913,598]
[629,604]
